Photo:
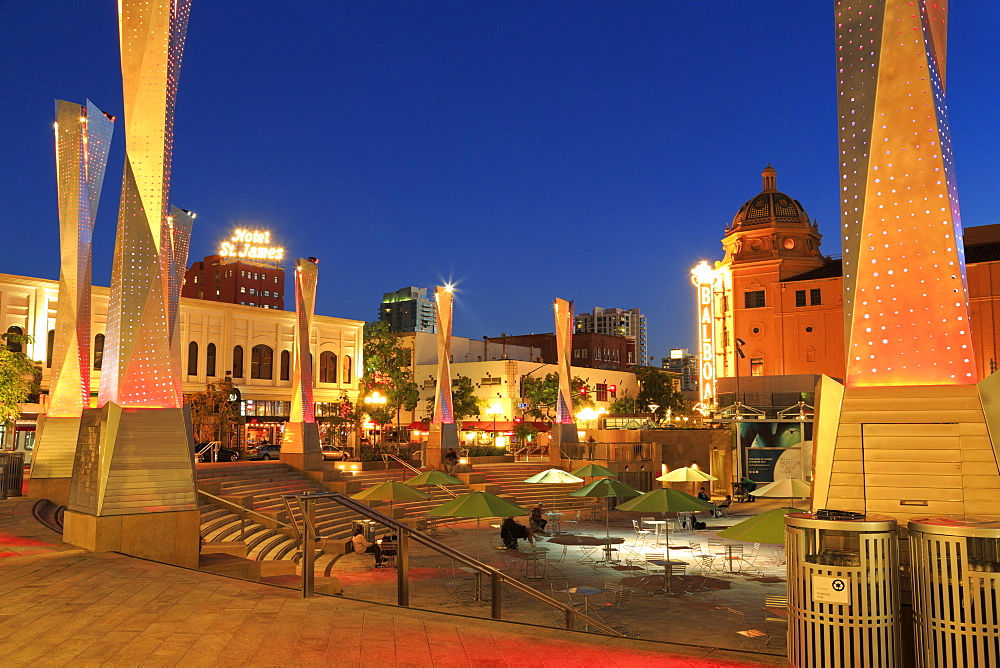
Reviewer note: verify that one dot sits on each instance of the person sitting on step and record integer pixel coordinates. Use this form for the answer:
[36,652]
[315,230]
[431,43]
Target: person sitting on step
[362,546]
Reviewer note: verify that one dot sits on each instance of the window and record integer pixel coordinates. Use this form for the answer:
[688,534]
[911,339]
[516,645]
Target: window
[252,291]
[286,359]
[243,288]
[192,359]
[210,360]
[216,275]
[50,344]
[218,293]
[810,354]
[261,361]
[275,279]
[98,351]
[756,366]
[14,346]
[800,298]
[576,353]
[327,367]
[267,293]
[238,362]
[347,369]
[276,295]
[584,353]
[602,391]
[815,297]
[753,299]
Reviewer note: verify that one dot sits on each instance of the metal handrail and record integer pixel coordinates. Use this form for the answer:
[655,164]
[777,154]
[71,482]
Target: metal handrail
[387,456]
[404,534]
[245,510]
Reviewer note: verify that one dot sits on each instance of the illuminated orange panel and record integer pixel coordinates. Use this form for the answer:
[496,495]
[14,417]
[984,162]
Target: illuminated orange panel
[906,299]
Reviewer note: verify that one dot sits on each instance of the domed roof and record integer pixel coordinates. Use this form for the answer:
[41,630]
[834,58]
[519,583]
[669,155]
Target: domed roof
[770,207]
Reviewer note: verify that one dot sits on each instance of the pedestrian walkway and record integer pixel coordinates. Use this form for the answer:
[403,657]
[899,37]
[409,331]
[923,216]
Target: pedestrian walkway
[64,606]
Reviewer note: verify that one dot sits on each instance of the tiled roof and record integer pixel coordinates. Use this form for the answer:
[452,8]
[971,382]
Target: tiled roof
[832,268]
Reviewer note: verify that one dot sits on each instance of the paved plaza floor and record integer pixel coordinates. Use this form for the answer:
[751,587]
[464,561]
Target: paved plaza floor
[64,606]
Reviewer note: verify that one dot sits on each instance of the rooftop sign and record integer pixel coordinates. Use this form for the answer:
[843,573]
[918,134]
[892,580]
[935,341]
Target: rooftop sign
[251,245]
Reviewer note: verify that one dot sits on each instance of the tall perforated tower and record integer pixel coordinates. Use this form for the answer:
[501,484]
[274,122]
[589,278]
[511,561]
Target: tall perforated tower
[133,476]
[83,137]
[913,430]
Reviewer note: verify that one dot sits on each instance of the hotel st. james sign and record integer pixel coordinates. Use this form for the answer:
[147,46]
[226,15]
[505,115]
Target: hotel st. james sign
[251,245]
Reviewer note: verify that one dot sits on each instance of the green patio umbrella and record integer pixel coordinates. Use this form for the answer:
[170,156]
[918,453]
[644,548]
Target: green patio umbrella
[391,490]
[768,527]
[433,477]
[789,488]
[477,505]
[594,470]
[665,500]
[553,477]
[606,488]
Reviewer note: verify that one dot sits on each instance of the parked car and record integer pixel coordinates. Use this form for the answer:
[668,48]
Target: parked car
[203,452]
[266,452]
[334,452]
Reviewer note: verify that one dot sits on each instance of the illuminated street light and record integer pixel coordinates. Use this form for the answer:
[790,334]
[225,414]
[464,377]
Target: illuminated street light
[376,399]
[494,410]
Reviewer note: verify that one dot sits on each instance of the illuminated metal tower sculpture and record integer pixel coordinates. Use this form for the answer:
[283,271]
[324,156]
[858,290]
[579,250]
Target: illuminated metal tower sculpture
[300,440]
[443,431]
[133,477]
[83,136]
[564,428]
[909,433]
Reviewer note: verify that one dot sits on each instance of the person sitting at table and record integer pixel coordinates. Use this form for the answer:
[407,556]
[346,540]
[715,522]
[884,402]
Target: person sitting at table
[728,501]
[537,522]
[511,530]
[362,546]
[703,495]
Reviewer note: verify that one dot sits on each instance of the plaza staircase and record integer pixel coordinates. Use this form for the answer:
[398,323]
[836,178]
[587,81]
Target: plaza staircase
[510,480]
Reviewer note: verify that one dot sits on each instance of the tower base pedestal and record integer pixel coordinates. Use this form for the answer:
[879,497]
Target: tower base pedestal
[440,439]
[300,446]
[908,451]
[169,538]
[561,433]
[52,461]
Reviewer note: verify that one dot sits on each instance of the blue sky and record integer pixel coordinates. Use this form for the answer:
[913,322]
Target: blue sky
[525,150]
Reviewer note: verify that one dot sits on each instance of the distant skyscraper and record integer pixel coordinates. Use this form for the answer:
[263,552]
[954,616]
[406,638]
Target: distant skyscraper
[408,310]
[681,361]
[629,323]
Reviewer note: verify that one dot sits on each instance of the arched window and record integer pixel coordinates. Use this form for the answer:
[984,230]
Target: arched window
[286,363]
[98,351]
[347,369]
[327,368]
[210,360]
[238,362]
[14,346]
[261,361]
[50,344]
[810,354]
[192,359]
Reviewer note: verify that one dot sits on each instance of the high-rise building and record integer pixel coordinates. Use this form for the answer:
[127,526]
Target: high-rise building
[628,323]
[236,281]
[408,310]
[682,362]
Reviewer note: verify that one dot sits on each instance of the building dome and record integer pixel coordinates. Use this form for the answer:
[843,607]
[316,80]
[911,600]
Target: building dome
[771,208]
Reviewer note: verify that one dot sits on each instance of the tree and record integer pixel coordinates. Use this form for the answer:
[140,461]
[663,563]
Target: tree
[540,395]
[623,405]
[18,376]
[387,371]
[464,403]
[657,387]
[342,421]
[214,411]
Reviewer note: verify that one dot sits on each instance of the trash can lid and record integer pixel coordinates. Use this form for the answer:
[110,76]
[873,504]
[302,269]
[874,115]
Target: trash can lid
[957,525]
[869,522]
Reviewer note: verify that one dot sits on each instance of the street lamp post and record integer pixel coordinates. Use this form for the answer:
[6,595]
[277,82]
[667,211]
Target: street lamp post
[494,410]
[378,400]
[652,409]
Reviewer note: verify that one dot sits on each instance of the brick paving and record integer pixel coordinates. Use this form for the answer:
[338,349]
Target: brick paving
[60,605]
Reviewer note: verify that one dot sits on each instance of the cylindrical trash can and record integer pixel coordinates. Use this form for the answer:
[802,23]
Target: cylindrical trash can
[13,478]
[843,590]
[955,572]
[367,528]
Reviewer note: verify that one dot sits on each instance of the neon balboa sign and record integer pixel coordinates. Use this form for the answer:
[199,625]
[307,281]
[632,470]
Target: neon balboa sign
[251,245]
[703,278]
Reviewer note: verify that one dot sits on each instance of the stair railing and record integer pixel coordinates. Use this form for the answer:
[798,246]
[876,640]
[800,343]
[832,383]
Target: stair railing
[243,512]
[386,457]
[405,534]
